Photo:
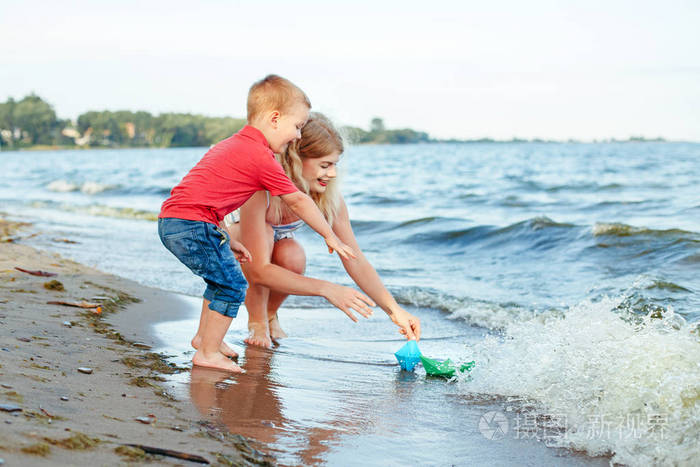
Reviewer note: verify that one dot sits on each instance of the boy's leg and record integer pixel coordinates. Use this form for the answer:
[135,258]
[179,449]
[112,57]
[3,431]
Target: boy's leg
[197,339]
[208,355]
[204,249]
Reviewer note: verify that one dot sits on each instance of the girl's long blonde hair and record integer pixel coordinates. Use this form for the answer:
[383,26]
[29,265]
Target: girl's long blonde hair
[319,138]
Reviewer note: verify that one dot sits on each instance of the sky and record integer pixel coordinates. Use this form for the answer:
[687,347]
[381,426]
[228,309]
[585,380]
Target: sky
[455,69]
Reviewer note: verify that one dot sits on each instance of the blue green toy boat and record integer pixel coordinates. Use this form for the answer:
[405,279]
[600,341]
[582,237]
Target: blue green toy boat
[444,368]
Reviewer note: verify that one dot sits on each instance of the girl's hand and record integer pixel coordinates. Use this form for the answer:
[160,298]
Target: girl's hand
[240,252]
[344,251]
[347,299]
[408,324]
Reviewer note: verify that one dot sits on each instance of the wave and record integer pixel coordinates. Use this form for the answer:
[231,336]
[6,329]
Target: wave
[599,380]
[100,210]
[538,233]
[440,229]
[601,229]
[583,187]
[88,188]
[451,232]
[630,244]
[666,285]
[621,246]
[480,313]
[62,186]
[94,188]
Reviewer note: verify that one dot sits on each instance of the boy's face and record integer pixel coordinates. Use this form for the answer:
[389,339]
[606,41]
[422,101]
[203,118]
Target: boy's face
[288,127]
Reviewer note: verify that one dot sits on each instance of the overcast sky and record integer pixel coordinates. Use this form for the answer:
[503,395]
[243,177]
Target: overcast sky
[465,69]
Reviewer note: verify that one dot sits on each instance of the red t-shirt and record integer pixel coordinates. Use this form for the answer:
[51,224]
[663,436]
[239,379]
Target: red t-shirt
[226,177]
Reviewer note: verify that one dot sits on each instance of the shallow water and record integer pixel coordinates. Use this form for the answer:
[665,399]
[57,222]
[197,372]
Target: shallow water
[540,261]
[340,399]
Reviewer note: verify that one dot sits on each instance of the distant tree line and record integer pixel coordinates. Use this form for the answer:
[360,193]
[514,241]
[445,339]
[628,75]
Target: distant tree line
[378,134]
[138,129]
[32,122]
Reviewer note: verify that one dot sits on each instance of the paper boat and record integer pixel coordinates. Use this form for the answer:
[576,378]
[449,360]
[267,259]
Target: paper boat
[445,368]
[408,356]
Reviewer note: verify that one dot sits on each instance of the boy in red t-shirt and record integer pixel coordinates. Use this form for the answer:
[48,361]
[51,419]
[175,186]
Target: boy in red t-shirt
[228,174]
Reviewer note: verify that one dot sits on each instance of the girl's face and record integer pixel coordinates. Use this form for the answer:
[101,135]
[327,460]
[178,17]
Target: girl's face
[318,172]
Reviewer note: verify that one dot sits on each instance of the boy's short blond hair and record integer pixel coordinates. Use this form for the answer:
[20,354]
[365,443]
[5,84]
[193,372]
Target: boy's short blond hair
[274,93]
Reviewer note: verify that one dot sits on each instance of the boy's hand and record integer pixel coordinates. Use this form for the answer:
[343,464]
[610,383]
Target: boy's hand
[347,299]
[240,252]
[344,251]
[409,325]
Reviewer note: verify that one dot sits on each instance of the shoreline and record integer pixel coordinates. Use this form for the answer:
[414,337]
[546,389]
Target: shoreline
[52,413]
[46,147]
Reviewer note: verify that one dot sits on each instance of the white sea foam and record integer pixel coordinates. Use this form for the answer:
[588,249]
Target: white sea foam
[92,188]
[479,313]
[100,210]
[613,383]
[62,186]
[89,188]
[124,213]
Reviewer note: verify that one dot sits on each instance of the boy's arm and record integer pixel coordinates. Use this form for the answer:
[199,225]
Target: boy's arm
[304,207]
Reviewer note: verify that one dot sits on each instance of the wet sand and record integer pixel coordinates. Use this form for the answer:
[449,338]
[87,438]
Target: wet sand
[53,414]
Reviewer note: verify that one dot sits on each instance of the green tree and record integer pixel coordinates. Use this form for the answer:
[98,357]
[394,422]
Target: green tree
[356,135]
[6,112]
[35,118]
[7,126]
[376,125]
[216,129]
[105,127]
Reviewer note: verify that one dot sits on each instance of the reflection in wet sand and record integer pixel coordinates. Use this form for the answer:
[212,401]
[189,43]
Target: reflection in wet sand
[249,404]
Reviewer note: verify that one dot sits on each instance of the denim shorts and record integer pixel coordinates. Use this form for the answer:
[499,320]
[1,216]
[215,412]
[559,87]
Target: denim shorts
[204,248]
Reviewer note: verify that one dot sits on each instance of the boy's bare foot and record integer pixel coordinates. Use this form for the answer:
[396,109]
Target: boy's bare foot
[259,334]
[276,331]
[216,360]
[223,348]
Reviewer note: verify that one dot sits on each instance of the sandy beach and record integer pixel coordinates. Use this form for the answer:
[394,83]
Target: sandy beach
[75,389]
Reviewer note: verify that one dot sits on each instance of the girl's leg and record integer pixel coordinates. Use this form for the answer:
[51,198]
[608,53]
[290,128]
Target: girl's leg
[256,300]
[197,339]
[289,254]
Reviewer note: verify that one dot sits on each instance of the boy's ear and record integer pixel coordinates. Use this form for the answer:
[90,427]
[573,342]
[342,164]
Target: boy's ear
[275,117]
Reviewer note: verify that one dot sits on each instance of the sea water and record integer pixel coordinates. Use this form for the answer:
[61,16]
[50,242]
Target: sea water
[569,272]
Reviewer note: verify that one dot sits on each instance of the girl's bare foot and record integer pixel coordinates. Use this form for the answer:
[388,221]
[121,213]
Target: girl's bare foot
[276,331]
[216,360]
[259,334]
[223,348]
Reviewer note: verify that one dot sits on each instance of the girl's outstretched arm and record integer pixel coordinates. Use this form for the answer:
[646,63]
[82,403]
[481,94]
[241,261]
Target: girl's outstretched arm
[366,277]
[258,240]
